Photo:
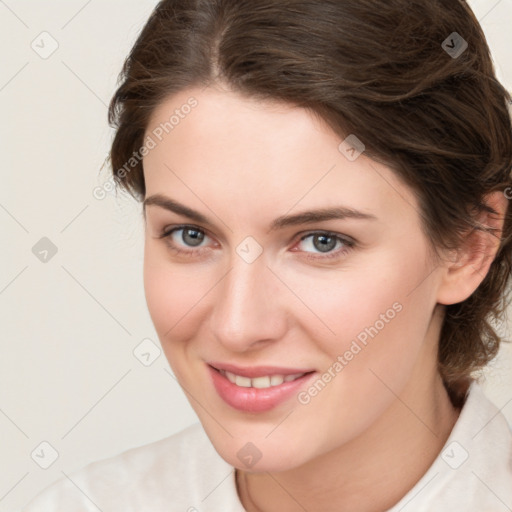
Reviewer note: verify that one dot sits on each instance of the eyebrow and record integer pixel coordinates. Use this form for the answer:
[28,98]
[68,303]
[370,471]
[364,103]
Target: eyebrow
[305,217]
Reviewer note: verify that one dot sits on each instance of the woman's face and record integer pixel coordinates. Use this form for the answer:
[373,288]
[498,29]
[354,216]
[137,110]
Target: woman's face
[248,283]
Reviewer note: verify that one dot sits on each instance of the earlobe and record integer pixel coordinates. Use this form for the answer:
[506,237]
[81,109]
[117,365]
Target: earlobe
[465,268]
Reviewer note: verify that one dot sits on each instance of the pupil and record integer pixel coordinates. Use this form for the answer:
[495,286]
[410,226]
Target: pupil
[324,247]
[192,237]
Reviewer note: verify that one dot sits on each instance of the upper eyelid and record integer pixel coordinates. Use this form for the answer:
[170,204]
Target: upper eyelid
[167,232]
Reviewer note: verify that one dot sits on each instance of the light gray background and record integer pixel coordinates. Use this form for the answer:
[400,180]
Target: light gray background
[68,375]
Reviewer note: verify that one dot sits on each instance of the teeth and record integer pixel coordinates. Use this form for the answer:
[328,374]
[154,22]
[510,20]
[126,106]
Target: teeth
[231,376]
[259,382]
[243,382]
[276,380]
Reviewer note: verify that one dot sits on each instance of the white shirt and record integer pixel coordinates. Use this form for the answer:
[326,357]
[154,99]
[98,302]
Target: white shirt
[184,473]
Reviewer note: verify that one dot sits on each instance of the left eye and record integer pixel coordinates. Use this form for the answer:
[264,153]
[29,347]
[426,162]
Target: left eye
[323,242]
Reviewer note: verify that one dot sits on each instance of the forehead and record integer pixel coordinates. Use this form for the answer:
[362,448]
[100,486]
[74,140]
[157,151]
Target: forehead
[270,154]
[239,123]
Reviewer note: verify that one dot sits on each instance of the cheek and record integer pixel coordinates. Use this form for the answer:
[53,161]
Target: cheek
[373,315]
[172,295]
[380,329]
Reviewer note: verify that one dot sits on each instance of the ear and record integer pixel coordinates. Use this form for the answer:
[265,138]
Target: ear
[466,268]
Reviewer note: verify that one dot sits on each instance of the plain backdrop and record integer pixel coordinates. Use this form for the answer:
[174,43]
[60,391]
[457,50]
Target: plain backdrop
[72,306]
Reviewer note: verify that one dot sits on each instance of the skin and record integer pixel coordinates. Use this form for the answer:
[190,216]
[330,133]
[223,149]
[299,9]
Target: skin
[242,163]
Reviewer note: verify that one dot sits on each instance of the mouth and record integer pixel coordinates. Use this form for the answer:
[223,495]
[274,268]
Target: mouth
[263,382]
[257,389]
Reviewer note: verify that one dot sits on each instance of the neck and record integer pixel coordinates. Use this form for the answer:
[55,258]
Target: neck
[372,472]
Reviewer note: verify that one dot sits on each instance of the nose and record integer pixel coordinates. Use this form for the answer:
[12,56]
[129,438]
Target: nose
[247,313]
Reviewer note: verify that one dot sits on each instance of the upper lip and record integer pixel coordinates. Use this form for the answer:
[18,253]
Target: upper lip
[258,371]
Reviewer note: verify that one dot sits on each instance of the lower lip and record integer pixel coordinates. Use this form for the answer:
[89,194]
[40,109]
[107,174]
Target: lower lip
[255,399]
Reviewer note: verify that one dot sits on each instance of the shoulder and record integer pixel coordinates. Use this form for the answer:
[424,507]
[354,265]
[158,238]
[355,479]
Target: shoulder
[178,470]
[473,471]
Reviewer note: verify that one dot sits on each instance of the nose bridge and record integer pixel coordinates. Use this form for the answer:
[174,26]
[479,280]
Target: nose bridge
[246,306]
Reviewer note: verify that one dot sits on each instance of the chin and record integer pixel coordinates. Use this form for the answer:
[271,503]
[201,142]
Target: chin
[250,448]
[274,461]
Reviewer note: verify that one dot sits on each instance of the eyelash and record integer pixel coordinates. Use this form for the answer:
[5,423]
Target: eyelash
[348,243]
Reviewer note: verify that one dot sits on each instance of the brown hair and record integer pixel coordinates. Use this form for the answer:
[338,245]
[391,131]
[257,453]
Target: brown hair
[379,69]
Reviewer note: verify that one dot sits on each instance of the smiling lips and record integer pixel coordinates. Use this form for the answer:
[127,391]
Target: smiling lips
[256,389]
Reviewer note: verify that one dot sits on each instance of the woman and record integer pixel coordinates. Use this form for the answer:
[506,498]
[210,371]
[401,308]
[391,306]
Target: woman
[325,191]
